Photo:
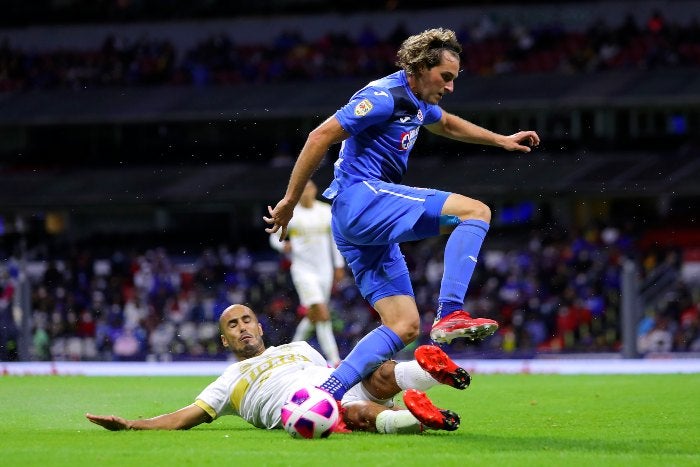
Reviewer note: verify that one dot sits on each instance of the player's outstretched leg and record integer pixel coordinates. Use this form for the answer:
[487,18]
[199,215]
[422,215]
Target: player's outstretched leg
[461,324]
[441,367]
[422,408]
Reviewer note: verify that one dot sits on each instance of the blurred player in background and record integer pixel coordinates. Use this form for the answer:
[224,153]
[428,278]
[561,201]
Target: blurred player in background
[316,266]
[256,387]
[373,212]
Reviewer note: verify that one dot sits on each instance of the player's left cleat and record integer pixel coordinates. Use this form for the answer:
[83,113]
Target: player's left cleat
[422,408]
[441,367]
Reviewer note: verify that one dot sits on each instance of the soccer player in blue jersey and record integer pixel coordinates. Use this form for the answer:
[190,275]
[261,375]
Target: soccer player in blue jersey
[373,212]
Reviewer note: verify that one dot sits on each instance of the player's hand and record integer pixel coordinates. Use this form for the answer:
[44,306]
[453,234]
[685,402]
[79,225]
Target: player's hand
[522,141]
[279,218]
[111,422]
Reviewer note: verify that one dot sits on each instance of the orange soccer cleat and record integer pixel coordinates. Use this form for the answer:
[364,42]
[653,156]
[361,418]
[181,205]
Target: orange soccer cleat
[441,367]
[422,408]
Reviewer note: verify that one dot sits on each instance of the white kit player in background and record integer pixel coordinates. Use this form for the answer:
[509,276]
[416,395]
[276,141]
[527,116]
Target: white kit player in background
[316,266]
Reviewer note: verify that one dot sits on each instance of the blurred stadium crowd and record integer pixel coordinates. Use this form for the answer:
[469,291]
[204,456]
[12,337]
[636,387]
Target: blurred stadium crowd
[556,292]
[489,48]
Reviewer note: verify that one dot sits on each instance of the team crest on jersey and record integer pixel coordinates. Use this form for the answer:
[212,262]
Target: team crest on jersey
[420,115]
[408,139]
[363,108]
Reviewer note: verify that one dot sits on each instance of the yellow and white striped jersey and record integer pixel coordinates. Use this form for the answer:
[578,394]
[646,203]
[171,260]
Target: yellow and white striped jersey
[257,388]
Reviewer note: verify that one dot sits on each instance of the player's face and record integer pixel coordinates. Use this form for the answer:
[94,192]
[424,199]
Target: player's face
[431,84]
[241,332]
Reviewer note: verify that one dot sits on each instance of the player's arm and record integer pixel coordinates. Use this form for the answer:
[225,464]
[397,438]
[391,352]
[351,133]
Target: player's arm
[283,246]
[454,127]
[183,419]
[317,143]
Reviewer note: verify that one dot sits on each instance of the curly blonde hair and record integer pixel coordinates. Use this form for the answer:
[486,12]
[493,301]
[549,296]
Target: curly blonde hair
[425,49]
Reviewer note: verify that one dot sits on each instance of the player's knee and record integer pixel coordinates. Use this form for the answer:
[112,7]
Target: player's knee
[318,312]
[467,208]
[399,313]
[413,335]
[409,331]
[385,372]
[381,383]
[480,211]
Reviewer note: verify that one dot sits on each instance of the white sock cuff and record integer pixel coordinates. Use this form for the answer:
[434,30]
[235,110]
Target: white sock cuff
[326,339]
[409,375]
[397,421]
[303,329]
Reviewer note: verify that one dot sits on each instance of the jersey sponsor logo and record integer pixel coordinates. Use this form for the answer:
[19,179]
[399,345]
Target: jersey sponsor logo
[363,108]
[408,139]
[260,371]
[420,115]
[381,93]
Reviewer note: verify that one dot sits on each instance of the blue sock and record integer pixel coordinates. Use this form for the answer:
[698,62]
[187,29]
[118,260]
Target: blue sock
[376,347]
[461,252]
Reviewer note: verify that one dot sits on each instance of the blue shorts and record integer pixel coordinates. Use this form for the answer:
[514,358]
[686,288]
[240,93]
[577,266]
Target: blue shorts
[369,221]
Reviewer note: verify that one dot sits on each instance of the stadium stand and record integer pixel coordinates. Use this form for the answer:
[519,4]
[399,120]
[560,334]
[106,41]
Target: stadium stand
[558,292]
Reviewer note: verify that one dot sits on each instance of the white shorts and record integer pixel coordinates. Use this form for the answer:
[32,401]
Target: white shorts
[311,288]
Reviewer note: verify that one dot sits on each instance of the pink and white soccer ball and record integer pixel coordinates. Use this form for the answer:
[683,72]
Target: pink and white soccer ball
[310,413]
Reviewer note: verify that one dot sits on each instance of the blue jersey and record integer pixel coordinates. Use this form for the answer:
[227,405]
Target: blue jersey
[383,119]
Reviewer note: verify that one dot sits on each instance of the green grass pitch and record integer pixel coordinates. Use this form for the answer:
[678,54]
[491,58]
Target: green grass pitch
[507,420]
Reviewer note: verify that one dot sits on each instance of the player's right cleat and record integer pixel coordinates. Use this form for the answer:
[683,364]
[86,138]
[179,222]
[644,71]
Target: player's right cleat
[441,367]
[422,408]
[461,324]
